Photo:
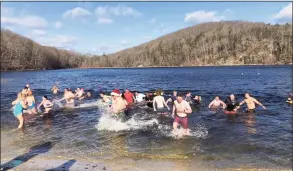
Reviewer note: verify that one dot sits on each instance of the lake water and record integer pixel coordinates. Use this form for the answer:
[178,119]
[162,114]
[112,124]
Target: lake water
[261,140]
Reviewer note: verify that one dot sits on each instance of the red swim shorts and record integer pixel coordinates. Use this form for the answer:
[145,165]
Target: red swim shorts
[182,120]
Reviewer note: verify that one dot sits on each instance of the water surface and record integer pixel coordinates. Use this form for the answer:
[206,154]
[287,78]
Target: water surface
[262,140]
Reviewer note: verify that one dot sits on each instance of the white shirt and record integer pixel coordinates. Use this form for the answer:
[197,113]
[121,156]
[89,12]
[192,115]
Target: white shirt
[139,97]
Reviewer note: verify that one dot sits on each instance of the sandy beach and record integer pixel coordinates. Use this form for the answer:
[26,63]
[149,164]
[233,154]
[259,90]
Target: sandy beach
[123,164]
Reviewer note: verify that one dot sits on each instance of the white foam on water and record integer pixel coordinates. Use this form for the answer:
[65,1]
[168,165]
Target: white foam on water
[111,124]
[106,122]
[198,132]
[57,103]
[85,105]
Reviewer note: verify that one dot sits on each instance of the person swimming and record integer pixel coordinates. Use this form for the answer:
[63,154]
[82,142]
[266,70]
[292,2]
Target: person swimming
[250,102]
[159,103]
[231,103]
[31,103]
[47,104]
[55,89]
[216,103]
[68,97]
[19,104]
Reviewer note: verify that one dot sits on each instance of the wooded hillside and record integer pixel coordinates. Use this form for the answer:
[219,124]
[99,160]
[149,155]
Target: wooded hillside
[216,43]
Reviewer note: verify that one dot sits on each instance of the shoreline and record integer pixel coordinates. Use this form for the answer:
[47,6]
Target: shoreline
[147,67]
[120,164]
[191,66]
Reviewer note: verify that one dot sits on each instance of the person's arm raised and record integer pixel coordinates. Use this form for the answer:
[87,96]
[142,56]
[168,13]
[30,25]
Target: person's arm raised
[241,103]
[257,102]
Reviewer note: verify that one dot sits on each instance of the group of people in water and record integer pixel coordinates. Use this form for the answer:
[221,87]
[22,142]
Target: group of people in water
[120,103]
[25,102]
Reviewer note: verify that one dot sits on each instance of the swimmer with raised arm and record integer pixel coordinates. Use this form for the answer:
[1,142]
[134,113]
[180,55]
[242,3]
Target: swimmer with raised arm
[250,102]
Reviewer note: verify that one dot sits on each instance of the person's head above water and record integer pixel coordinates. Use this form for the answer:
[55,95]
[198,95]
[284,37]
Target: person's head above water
[232,97]
[179,98]
[116,93]
[159,92]
[45,97]
[174,93]
[27,85]
[23,96]
[29,93]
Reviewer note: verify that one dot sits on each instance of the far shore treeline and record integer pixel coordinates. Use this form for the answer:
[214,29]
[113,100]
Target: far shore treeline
[214,43]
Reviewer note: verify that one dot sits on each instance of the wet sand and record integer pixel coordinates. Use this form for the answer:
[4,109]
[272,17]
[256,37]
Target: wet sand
[122,164]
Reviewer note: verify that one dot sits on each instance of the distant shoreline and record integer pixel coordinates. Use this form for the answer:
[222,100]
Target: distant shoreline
[144,67]
[184,66]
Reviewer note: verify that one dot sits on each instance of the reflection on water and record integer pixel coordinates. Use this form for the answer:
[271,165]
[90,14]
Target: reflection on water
[249,122]
[259,139]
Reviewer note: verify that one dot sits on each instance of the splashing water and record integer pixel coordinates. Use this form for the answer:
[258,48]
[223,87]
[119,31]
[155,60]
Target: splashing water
[87,105]
[106,122]
[199,131]
[111,124]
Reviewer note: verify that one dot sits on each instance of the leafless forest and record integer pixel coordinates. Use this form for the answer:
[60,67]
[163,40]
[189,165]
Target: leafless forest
[217,43]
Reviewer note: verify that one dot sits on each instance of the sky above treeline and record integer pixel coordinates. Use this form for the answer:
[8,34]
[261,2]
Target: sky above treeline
[107,27]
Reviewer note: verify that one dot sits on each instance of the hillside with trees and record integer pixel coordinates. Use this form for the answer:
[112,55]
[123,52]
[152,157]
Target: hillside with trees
[215,43]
